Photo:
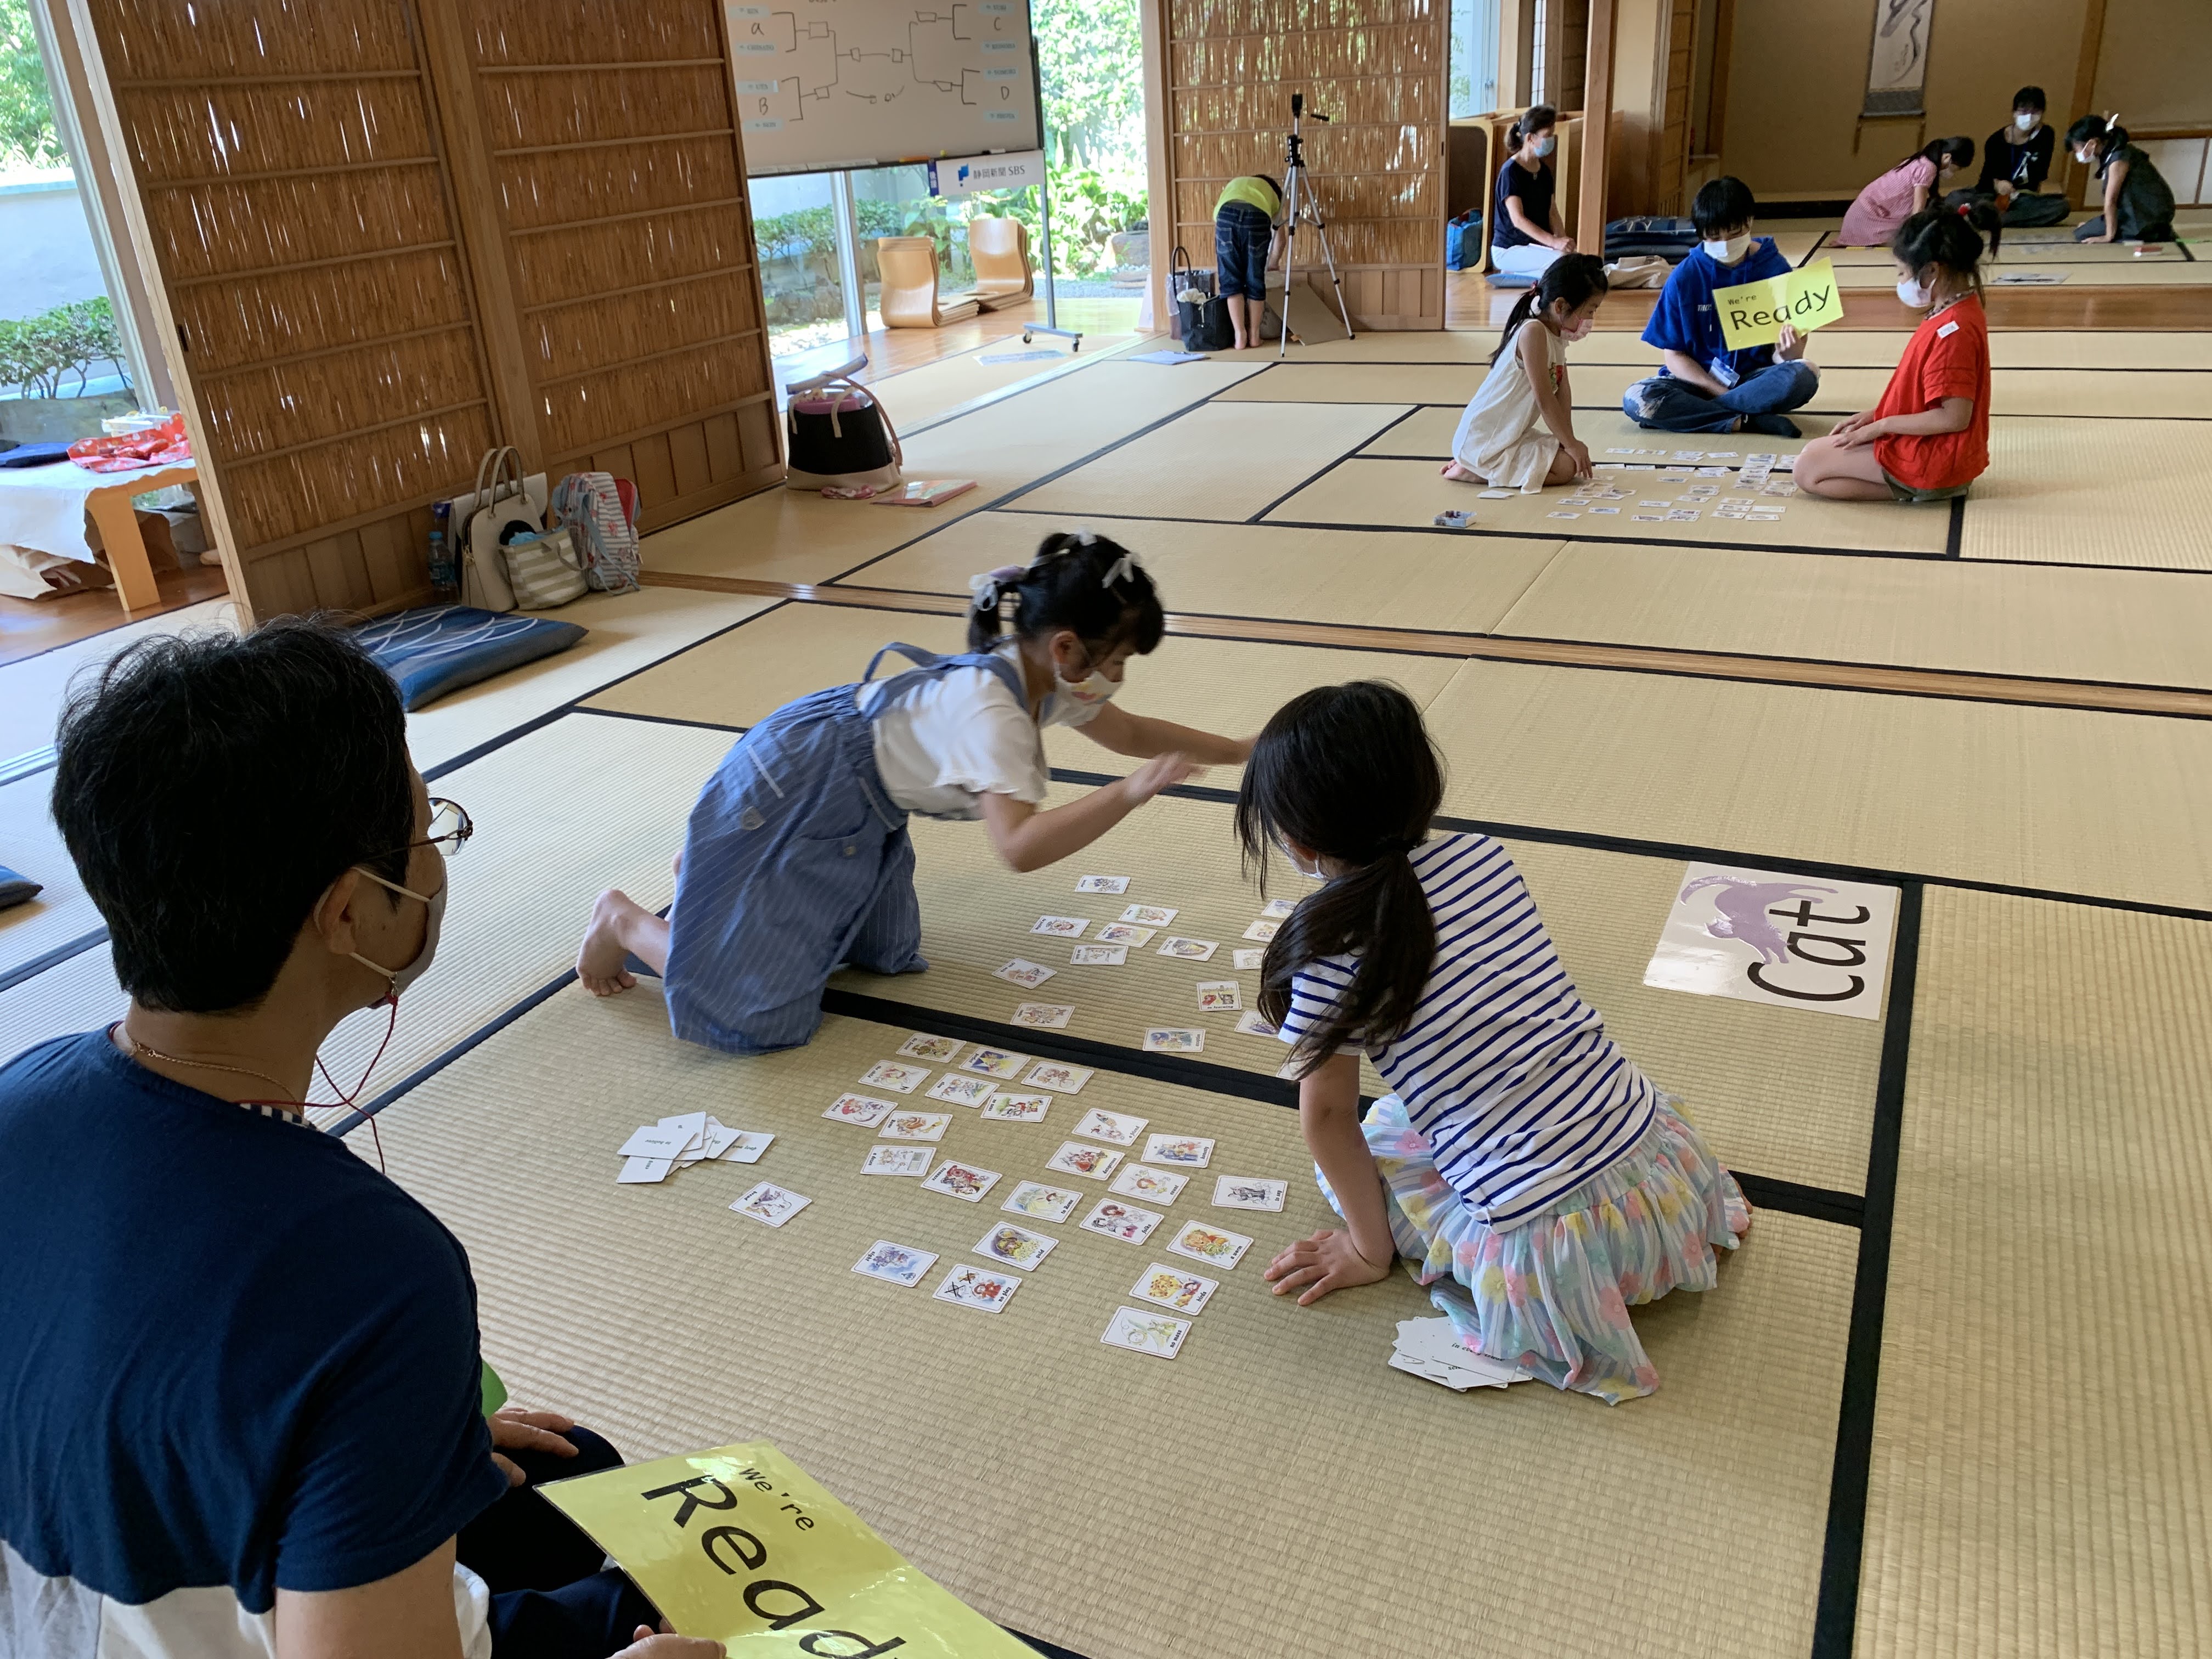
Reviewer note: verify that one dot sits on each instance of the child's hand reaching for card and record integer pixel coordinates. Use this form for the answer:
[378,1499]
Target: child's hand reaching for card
[1327,1261]
[1161,771]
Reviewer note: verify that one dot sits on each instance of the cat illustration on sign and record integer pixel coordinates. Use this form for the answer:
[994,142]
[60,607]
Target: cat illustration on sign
[1742,904]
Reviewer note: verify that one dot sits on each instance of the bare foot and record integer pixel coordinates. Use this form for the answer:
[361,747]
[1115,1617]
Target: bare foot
[600,961]
[1457,473]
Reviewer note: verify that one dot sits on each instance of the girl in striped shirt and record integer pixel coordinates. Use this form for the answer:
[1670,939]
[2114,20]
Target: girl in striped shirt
[1536,1179]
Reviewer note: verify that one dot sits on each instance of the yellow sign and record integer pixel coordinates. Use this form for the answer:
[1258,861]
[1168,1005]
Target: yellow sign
[1753,315]
[738,1545]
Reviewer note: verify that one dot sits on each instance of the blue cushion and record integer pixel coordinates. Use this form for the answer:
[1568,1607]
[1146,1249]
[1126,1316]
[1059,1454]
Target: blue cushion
[441,648]
[14,889]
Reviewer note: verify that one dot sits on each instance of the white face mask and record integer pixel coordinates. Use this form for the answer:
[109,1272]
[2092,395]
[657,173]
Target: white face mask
[1093,687]
[1315,874]
[2087,158]
[434,904]
[2025,120]
[1727,249]
[1914,293]
[1543,146]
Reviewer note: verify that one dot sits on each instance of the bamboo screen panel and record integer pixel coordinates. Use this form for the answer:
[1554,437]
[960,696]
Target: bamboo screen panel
[1376,68]
[618,187]
[290,173]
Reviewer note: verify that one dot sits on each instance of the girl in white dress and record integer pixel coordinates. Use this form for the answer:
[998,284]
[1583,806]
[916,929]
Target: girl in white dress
[1519,432]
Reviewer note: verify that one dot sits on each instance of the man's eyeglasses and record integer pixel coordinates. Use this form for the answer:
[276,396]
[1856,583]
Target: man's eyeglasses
[451,826]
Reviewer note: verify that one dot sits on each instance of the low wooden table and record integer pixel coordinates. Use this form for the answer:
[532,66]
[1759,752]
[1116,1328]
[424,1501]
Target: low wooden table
[117,523]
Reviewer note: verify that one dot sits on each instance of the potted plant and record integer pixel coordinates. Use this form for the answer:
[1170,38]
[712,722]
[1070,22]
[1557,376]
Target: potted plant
[37,358]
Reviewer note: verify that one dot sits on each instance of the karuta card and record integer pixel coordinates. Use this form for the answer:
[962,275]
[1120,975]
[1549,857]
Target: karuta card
[1187,950]
[895,1264]
[1062,926]
[1264,929]
[1116,1127]
[939,1051]
[995,1062]
[644,1171]
[1153,1186]
[914,1126]
[1248,1193]
[865,1110]
[1246,961]
[1027,974]
[1217,1245]
[1165,1286]
[1063,1079]
[1149,915]
[1016,1247]
[961,1181]
[770,1203]
[961,1091]
[1098,956]
[1154,1333]
[747,1147]
[655,1140]
[1042,1203]
[889,1074]
[1051,1016]
[1102,883]
[1174,1040]
[1092,1163]
[1179,1151]
[1252,1023]
[1218,996]
[981,1288]
[1276,908]
[897,1161]
[1111,1219]
[1017,1108]
[1119,932]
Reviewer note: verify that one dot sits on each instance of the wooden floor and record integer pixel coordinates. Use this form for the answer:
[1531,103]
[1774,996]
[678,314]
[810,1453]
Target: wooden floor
[28,627]
[894,350]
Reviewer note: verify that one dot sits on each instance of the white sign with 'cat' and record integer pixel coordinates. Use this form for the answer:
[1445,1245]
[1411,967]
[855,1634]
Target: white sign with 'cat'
[1768,936]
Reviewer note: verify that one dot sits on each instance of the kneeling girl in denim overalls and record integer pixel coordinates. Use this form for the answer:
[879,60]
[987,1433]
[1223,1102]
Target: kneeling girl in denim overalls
[798,859]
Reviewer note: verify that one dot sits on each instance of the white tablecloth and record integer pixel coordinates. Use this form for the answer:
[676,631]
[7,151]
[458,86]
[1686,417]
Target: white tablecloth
[43,507]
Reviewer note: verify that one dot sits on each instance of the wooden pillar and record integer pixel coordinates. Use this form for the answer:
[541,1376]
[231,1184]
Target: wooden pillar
[1516,32]
[1159,177]
[1597,129]
[2080,179]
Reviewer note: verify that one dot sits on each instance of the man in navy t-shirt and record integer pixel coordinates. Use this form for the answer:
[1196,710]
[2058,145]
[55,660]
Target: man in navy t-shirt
[1705,386]
[243,1401]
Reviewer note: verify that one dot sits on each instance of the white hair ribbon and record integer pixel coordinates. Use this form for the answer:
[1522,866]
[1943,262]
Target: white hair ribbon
[1124,567]
[986,586]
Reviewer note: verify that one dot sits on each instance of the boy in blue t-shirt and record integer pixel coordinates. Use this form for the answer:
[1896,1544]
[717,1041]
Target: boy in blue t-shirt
[1705,386]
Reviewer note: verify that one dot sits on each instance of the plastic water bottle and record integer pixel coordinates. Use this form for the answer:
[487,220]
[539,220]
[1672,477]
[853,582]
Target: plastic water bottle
[443,588]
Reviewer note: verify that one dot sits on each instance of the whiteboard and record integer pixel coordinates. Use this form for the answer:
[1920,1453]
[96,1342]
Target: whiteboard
[827,84]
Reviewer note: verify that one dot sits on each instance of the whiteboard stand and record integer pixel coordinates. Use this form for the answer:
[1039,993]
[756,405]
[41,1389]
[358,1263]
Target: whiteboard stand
[1051,325]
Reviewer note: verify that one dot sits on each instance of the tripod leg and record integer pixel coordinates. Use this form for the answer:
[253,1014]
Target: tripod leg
[1291,182]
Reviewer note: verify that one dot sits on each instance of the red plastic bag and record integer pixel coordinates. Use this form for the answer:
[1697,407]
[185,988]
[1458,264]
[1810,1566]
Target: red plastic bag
[165,445]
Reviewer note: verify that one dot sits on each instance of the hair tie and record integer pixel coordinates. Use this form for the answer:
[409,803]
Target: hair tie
[1124,567]
[986,587]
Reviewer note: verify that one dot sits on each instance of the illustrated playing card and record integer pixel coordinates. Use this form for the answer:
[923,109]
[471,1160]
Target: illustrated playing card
[897,1161]
[747,1147]
[1276,909]
[1053,1074]
[1174,1040]
[939,1051]
[640,1171]
[1247,960]
[889,1074]
[961,1181]
[1253,1024]
[995,1062]
[1263,930]
[979,1288]
[1017,1247]
[961,1091]
[1042,1203]
[1184,1293]
[1062,926]
[1248,1193]
[864,1109]
[1092,1163]
[1189,950]
[1098,956]
[1181,1152]
[1017,1108]
[1111,1219]
[1119,932]
[1149,915]
[1025,974]
[914,1126]
[1102,884]
[1153,1186]
[1146,1333]
[656,1140]
[1117,1128]
[1215,1244]
[770,1203]
[1218,996]
[1050,1015]
[895,1264]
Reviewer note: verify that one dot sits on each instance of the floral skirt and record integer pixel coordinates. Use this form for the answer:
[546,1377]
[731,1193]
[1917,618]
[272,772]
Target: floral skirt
[1551,1295]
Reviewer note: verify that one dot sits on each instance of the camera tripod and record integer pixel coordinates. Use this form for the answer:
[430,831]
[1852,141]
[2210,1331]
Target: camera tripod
[1301,200]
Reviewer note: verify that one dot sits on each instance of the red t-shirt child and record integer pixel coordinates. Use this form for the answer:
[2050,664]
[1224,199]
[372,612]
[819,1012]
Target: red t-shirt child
[1948,357]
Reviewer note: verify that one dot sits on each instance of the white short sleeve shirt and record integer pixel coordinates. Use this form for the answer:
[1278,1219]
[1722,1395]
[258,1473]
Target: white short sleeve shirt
[960,735]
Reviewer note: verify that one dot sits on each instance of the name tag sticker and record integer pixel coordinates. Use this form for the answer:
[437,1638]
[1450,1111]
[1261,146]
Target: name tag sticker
[1947,331]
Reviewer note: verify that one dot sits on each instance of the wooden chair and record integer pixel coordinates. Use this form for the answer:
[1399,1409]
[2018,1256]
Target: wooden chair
[1001,249]
[909,298]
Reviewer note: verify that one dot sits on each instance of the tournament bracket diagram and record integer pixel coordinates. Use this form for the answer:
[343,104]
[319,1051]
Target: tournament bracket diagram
[941,69]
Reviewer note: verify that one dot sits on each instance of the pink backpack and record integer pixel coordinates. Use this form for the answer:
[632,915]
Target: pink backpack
[599,511]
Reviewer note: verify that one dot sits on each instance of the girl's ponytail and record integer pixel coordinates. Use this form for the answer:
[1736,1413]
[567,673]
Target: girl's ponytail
[1078,581]
[1946,237]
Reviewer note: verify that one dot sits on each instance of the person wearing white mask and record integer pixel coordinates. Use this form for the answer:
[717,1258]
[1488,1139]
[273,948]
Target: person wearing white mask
[2137,202]
[1703,385]
[2015,160]
[1526,231]
[1907,188]
[798,859]
[1517,432]
[249,1410]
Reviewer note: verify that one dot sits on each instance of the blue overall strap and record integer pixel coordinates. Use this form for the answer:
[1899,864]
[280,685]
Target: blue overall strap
[928,663]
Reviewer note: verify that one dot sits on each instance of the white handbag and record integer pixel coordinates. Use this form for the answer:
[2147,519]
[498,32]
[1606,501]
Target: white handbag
[505,513]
